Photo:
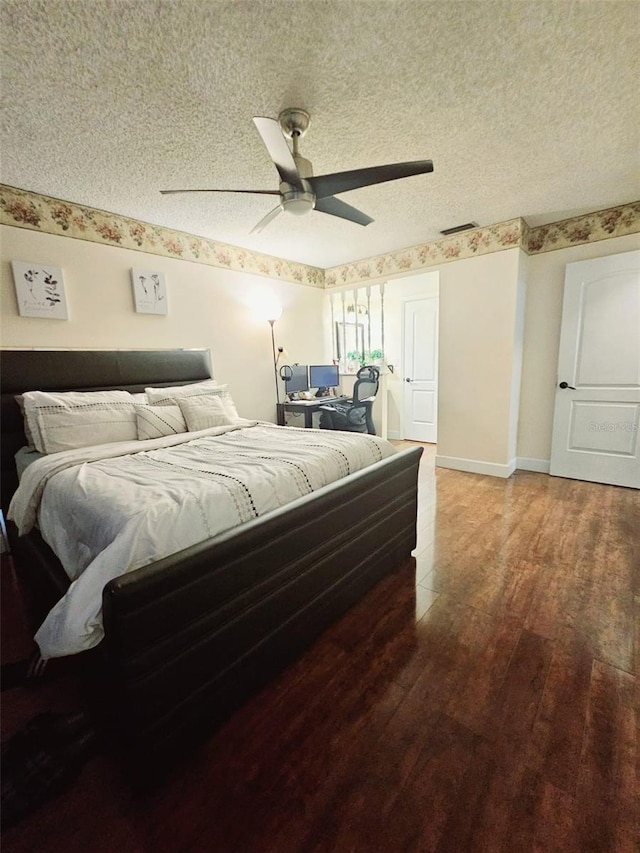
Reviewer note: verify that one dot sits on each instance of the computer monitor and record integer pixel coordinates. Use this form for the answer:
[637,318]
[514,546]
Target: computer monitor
[323,376]
[295,377]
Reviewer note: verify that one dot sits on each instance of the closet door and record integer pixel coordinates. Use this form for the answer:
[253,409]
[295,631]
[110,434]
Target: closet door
[597,410]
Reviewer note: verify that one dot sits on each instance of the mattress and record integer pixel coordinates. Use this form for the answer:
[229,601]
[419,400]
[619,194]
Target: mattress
[114,508]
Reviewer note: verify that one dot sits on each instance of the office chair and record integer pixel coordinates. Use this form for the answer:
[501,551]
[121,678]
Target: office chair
[354,414]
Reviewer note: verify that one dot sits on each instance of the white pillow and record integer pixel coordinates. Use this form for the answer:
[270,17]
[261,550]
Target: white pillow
[157,421]
[170,396]
[203,411]
[67,420]
[28,434]
[229,405]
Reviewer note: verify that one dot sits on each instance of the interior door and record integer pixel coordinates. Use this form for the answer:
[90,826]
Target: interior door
[420,397]
[597,410]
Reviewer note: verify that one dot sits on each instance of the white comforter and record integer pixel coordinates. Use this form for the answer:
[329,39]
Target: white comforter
[110,509]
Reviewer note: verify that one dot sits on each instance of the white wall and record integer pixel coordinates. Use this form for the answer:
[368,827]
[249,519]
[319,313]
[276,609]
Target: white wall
[543,314]
[208,307]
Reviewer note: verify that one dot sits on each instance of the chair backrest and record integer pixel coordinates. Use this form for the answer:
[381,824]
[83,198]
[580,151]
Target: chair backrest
[366,385]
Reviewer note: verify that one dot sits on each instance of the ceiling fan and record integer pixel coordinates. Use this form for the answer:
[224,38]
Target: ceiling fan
[300,191]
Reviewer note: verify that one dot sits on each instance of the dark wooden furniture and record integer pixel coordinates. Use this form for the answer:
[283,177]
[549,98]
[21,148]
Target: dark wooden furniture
[190,637]
[301,407]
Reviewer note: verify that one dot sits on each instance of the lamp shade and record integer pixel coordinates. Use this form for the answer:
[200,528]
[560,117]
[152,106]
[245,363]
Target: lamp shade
[274,313]
[265,306]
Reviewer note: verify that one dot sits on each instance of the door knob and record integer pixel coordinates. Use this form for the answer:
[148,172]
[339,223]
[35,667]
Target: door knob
[408,380]
[564,385]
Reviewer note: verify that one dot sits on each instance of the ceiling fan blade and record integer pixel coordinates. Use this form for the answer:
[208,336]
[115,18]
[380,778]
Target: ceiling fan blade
[253,192]
[341,182]
[339,208]
[266,220]
[279,151]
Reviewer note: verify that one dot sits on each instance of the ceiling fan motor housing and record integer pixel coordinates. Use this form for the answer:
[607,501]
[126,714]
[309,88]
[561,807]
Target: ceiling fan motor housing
[295,200]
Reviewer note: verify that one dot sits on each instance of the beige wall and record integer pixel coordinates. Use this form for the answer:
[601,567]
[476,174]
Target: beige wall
[480,346]
[208,307]
[478,321]
[480,355]
[543,316]
[212,308]
[500,318]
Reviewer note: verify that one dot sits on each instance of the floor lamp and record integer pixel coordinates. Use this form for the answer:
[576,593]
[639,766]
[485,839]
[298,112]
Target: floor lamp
[276,313]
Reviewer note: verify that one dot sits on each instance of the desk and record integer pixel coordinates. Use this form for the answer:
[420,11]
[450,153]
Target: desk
[306,407]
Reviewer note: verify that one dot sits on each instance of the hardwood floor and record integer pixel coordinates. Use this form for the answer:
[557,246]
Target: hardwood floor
[483,698]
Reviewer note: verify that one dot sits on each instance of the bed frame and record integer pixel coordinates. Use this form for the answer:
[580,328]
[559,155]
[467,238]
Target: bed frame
[190,637]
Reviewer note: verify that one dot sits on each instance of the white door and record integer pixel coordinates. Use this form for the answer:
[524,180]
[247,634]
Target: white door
[597,410]
[420,364]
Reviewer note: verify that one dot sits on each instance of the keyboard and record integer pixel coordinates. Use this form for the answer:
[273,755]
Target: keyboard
[315,401]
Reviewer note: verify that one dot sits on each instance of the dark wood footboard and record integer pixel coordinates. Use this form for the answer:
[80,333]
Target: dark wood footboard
[189,638]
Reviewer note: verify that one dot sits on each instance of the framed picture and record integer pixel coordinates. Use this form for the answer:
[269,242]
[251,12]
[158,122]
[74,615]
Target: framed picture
[39,290]
[149,291]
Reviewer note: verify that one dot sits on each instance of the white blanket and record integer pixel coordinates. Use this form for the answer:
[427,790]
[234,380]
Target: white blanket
[113,508]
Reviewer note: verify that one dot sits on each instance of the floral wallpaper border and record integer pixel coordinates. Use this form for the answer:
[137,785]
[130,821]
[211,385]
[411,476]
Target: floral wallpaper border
[589,228]
[25,209]
[467,244]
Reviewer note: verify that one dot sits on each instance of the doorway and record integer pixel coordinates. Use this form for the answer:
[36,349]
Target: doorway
[420,368]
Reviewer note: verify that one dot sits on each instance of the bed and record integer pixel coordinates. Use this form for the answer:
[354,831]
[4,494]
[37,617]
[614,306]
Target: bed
[189,637]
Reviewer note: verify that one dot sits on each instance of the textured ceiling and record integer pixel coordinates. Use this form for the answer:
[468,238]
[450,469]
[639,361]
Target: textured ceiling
[526,108]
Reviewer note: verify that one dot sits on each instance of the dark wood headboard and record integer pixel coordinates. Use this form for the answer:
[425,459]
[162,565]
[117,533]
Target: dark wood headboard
[83,370]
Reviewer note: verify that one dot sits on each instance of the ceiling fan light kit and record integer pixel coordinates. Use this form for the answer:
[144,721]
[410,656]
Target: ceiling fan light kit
[300,191]
[296,201]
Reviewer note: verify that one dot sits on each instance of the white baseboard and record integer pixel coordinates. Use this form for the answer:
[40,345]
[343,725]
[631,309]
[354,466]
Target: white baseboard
[523,463]
[394,433]
[475,466]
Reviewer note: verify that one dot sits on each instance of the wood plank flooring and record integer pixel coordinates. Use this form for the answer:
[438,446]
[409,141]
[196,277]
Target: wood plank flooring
[482,698]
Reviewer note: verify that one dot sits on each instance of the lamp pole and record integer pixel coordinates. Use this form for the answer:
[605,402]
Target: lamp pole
[275,360]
